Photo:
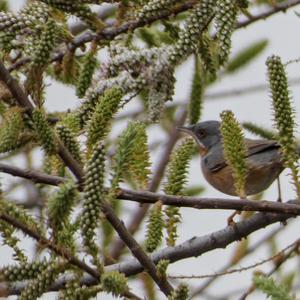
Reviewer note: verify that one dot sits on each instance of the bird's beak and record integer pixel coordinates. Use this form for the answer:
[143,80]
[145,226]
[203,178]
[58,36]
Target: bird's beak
[190,130]
[187,129]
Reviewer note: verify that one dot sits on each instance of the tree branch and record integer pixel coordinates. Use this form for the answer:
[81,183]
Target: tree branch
[282,260]
[34,176]
[211,203]
[73,165]
[145,197]
[195,246]
[199,290]
[110,33]
[279,7]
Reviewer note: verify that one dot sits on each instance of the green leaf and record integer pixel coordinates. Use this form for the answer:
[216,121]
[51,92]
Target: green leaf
[246,55]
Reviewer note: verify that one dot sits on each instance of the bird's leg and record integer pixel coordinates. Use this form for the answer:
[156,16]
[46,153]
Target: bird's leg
[279,199]
[230,219]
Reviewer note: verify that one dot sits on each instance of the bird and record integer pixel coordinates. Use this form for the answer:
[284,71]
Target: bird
[263,159]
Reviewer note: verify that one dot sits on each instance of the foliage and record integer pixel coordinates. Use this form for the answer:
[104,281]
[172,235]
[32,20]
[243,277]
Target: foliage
[271,289]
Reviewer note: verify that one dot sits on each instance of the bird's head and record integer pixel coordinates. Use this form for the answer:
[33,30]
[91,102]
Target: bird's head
[206,134]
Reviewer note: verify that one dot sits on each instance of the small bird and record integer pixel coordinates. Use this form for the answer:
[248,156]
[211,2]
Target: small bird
[263,159]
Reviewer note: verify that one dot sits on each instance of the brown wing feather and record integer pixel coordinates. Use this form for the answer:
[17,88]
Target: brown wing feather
[253,147]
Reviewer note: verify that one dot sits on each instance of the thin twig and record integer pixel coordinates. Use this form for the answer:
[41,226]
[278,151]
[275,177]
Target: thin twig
[274,269]
[199,290]
[280,7]
[237,270]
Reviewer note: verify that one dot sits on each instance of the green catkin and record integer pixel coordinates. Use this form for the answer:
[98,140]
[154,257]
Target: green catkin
[234,150]
[44,132]
[99,124]
[74,290]
[114,282]
[196,96]
[226,16]
[17,212]
[272,289]
[42,282]
[11,130]
[7,234]
[139,168]
[162,267]
[131,159]
[207,49]
[60,205]
[86,73]
[196,23]
[46,44]
[284,116]
[124,155]
[181,293]
[155,227]
[176,180]
[92,197]
[69,140]
[24,271]
[153,7]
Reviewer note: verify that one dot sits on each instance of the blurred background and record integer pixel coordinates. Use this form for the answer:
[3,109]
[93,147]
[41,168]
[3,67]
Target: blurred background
[282,33]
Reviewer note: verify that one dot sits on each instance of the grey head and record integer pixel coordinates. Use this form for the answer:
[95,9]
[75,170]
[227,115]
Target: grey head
[206,134]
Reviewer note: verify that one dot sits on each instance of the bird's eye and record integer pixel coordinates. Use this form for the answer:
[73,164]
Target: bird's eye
[201,133]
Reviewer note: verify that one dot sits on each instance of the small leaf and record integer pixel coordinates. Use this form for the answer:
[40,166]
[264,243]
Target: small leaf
[246,55]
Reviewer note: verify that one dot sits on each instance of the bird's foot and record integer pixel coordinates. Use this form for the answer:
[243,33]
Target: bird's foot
[230,220]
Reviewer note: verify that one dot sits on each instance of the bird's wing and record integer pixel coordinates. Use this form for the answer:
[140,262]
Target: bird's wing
[217,161]
[256,146]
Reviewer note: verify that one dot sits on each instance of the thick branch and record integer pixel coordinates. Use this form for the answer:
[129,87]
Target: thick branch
[195,246]
[199,290]
[179,201]
[211,203]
